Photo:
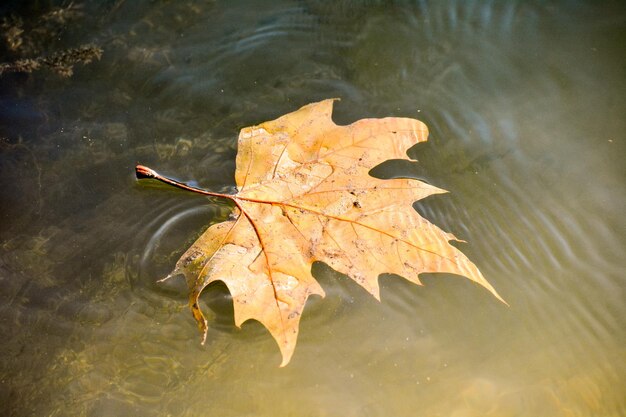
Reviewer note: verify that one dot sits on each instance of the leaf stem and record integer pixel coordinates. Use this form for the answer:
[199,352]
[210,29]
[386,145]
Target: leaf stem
[145,172]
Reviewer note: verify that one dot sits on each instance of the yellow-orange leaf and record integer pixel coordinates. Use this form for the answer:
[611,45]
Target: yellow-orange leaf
[305,195]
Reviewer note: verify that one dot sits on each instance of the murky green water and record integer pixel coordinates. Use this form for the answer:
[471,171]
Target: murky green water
[526,102]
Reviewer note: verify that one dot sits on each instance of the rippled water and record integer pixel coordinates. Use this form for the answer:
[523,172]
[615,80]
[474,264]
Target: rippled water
[526,104]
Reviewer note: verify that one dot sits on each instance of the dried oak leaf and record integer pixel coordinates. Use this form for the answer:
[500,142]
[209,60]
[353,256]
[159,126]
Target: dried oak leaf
[305,195]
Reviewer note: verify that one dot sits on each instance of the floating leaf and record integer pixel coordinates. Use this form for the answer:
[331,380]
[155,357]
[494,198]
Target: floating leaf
[305,195]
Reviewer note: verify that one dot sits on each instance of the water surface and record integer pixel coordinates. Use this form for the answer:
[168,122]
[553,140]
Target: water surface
[525,102]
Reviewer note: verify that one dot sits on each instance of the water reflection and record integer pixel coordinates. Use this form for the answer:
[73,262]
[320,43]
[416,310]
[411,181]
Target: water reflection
[524,106]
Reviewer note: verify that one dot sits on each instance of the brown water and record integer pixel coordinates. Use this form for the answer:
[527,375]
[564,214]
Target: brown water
[526,102]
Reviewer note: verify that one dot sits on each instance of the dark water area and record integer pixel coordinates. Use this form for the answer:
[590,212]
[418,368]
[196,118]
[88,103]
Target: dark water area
[526,105]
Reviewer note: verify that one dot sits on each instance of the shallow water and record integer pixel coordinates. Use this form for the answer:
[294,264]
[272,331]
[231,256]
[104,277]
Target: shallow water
[525,103]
